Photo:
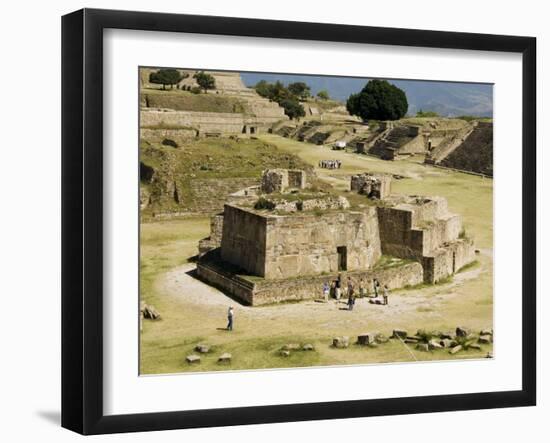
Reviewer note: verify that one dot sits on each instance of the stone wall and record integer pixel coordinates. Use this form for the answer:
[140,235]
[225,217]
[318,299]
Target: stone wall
[280,180]
[447,260]
[373,185]
[265,292]
[215,239]
[308,244]
[413,229]
[244,240]
[180,136]
[231,284]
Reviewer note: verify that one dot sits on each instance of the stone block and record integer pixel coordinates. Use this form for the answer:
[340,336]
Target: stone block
[399,333]
[485,339]
[225,358]
[203,349]
[340,342]
[192,359]
[455,349]
[366,338]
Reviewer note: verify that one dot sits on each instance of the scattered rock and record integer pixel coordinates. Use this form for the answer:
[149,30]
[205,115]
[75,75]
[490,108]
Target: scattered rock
[193,359]
[462,332]
[373,345]
[291,347]
[447,335]
[485,339]
[203,349]
[225,358]
[399,333]
[340,342]
[434,344]
[423,347]
[475,346]
[365,339]
[149,311]
[447,343]
[410,340]
[308,347]
[486,331]
[381,339]
[285,353]
[455,349]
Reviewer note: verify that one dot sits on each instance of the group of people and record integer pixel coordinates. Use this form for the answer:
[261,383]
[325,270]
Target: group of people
[330,164]
[338,288]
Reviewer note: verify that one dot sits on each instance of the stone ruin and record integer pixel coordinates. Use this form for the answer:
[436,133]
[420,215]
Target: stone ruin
[374,186]
[282,180]
[263,256]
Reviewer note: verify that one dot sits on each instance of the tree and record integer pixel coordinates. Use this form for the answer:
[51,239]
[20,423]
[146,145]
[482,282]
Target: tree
[166,77]
[422,113]
[378,100]
[300,89]
[292,108]
[205,81]
[323,95]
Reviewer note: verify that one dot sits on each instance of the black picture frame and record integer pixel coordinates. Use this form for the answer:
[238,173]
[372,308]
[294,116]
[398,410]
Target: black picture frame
[82,218]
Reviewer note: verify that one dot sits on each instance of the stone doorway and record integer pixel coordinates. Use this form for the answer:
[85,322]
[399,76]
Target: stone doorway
[342,252]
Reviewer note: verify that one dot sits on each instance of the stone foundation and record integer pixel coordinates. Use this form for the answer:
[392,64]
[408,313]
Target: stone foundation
[263,292]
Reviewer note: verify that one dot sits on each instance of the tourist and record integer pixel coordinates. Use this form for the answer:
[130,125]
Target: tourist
[337,287]
[376,286]
[350,286]
[386,293]
[230,315]
[351,299]
[326,290]
[361,288]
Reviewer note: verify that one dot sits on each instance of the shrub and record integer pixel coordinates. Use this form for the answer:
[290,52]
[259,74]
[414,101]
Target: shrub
[195,90]
[169,142]
[263,203]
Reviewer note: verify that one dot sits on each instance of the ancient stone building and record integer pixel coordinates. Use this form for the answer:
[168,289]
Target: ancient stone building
[372,185]
[265,256]
[252,114]
[281,180]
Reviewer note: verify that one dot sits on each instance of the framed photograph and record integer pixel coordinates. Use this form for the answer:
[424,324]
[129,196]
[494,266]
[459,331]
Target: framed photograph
[270,221]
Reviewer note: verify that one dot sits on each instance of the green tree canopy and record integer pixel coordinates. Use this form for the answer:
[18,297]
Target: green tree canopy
[378,100]
[283,96]
[422,113]
[205,81]
[323,94]
[300,90]
[293,108]
[166,77]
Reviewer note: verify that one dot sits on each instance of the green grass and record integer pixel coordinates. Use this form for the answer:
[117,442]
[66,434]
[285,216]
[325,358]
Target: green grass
[469,266]
[216,158]
[187,101]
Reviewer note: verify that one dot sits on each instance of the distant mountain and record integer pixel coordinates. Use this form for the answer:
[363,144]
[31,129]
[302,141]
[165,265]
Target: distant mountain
[446,98]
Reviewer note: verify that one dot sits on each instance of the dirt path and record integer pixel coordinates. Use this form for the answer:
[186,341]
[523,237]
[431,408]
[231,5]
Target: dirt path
[179,283]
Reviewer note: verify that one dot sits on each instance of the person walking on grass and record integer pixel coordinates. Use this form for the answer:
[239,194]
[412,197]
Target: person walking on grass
[230,315]
[386,293]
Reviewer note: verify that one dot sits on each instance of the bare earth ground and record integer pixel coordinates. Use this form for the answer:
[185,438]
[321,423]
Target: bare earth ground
[192,312]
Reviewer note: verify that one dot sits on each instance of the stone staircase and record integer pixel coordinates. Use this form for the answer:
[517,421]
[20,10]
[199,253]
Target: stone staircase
[446,147]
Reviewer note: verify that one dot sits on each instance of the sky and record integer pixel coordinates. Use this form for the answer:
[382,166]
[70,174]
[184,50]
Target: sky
[448,99]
